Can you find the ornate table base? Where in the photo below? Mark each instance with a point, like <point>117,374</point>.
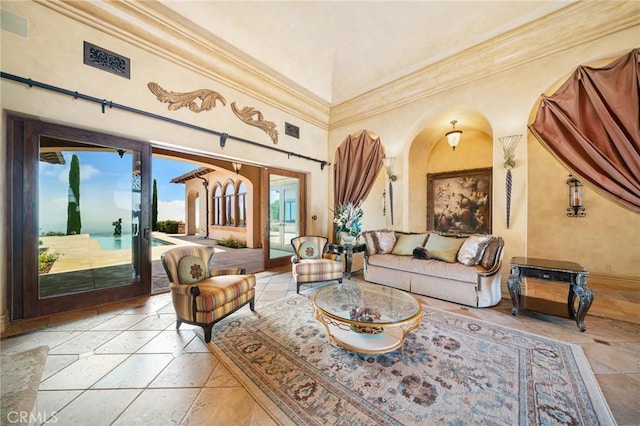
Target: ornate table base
<point>551,270</point>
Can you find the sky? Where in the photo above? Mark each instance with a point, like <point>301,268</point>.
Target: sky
<point>105,191</point>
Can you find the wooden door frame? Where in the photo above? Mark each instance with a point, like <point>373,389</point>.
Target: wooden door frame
<point>21,219</point>
<point>302,212</point>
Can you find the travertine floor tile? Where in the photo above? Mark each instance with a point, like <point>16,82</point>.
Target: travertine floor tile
<point>137,371</point>
<point>623,397</point>
<point>121,322</point>
<point>155,322</point>
<point>51,402</point>
<point>187,370</point>
<point>228,406</point>
<point>56,363</point>
<point>83,373</point>
<point>96,408</point>
<point>158,407</point>
<point>127,342</point>
<point>222,378</point>
<point>169,341</point>
<point>88,341</point>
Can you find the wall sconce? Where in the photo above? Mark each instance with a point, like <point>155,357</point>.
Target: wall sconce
<point>509,144</point>
<point>388,164</point>
<point>236,167</point>
<point>575,208</point>
<point>453,137</point>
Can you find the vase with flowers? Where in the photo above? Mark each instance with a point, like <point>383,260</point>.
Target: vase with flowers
<point>347,218</point>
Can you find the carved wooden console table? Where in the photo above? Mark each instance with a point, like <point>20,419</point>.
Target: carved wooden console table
<point>552,270</point>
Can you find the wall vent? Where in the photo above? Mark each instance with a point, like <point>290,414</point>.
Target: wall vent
<point>291,130</point>
<point>13,23</point>
<point>106,60</point>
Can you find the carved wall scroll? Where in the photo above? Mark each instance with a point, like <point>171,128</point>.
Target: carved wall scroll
<point>246,115</point>
<point>180,100</point>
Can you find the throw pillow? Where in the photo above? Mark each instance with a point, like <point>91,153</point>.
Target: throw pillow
<point>443,248</point>
<point>308,250</point>
<point>371,242</point>
<point>191,269</point>
<point>386,241</point>
<point>489,256</point>
<point>407,242</point>
<point>420,253</point>
<point>473,248</point>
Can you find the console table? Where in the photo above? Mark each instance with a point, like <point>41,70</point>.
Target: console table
<point>552,270</point>
<point>347,250</point>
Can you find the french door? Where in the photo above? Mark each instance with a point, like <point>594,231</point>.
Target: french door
<point>283,214</point>
<point>79,218</point>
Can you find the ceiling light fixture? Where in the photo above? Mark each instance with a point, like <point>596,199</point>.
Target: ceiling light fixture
<point>453,137</point>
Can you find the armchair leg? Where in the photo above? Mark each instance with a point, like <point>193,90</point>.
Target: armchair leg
<point>178,323</point>
<point>252,305</point>
<point>207,332</point>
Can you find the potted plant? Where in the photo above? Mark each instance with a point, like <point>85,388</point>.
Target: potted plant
<point>347,218</point>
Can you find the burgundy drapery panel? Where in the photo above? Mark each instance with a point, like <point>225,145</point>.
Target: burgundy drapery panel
<point>358,161</point>
<point>592,124</point>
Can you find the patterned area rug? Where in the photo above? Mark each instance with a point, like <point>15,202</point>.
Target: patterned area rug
<point>452,370</point>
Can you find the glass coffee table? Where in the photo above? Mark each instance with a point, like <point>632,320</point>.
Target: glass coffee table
<point>366,318</point>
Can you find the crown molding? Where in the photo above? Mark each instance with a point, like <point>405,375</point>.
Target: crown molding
<point>571,26</point>
<point>150,27</point>
<point>146,26</point>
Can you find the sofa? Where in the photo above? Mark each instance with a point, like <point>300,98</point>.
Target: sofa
<point>463,269</point>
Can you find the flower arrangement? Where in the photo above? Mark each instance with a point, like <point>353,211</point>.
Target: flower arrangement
<point>347,218</point>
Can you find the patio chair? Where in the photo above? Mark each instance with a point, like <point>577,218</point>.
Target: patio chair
<point>203,296</point>
<point>312,263</point>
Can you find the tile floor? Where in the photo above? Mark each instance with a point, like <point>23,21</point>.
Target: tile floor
<point>126,364</point>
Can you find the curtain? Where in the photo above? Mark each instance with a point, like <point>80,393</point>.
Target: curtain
<point>358,161</point>
<point>592,124</point>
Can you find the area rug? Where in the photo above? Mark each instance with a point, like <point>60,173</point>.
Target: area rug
<point>21,375</point>
<point>452,370</point>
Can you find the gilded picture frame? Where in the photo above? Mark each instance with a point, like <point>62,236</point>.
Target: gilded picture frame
<point>459,202</point>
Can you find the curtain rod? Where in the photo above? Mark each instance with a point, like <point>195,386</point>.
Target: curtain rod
<point>106,103</point>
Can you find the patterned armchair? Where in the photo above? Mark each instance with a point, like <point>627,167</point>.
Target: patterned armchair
<point>311,262</point>
<point>203,296</point>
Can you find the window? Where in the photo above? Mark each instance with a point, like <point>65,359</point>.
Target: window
<point>242,204</point>
<point>290,211</point>
<point>229,205</point>
<point>217,205</point>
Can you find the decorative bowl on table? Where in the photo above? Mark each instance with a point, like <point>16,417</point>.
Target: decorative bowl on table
<point>365,314</point>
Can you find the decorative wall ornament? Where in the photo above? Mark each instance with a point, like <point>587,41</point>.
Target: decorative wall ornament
<point>246,114</point>
<point>509,144</point>
<point>181,100</point>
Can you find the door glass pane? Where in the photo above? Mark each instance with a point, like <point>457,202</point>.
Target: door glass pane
<point>284,202</point>
<point>89,217</point>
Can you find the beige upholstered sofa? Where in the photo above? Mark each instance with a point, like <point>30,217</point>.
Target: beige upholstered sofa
<point>469,274</point>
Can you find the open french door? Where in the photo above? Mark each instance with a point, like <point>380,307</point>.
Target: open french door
<point>79,218</point>
<point>283,214</point>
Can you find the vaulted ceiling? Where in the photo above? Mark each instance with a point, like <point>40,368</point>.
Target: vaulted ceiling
<point>338,50</point>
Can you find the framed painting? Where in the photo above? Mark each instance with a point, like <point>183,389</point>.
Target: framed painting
<point>459,202</point>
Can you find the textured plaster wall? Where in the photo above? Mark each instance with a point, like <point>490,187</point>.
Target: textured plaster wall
<point>501,105</point>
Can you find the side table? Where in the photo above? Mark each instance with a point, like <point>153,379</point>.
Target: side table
<point>347,250</point>
<point>553,270</point>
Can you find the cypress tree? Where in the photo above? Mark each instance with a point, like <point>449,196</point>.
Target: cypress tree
<point>154,207</point>
<point>74,223</point>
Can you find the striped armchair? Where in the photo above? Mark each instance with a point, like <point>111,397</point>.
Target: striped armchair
<point>311,262</point>
<point>202,296</point>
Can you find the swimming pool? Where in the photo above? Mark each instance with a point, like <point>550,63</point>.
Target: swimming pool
<point>109,242</point>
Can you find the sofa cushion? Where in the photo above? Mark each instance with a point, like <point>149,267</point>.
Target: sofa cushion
<point>431,267</point>
<point>371,242</point>
<point>443,248</point>
<point>191,269</point>
<point>473,248</point>
<point>386,241</point>
<point>489,256</point>
<point>407,242</point>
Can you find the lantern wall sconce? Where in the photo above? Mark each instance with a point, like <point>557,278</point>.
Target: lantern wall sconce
<point>453,136</point>
<point>576,203</point>
<point>509,144</point>
<point>236,167</point>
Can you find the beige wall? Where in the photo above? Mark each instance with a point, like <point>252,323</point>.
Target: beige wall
<point>501,105</point>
